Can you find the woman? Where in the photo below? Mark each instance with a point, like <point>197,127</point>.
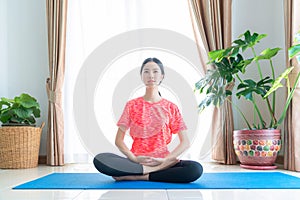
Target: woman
<point>151,121</point>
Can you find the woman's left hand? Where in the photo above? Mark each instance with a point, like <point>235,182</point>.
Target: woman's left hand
<point>153,162</point>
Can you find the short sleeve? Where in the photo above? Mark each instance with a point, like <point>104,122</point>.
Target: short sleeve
<point>176,121</point>
<point>124,121</point>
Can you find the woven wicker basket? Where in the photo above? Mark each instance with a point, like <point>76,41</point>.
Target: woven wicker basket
<point>19,146</point>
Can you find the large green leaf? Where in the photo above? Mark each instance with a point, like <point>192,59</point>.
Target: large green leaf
<point>36,112</point>
<point>9,101</point>
<point>216,55</point>
<point>246,40</point>
<point>4,104</point>
<point>205,102</point>
<point>294,50</point>
<point>216,98</point>
<point>248,87</point>
<point>26,101</point>
<point>239,42</point>
<point>23,113</point>
<point>246,93</point>
<point>229,66</point>
<point>277,83</point>
<point>207,79</point>
<point>213,85</point>
<point>5,116</point>
<point>243,64</point>
<point>267,54</point>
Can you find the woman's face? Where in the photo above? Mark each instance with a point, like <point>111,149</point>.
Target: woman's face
<point>151,74</point>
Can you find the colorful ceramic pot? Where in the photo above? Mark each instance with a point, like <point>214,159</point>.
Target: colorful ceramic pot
<point>257,149</point>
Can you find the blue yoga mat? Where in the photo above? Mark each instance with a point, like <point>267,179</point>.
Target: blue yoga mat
<point>232,180</point>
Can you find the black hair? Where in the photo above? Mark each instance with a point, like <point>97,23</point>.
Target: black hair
<point>158,62</point>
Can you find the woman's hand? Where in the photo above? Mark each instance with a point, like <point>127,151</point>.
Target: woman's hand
<point>142,159</point>
<point>157,164</point>
<point>146,160</point>
<point>149,161</point>
<point>152,162</point>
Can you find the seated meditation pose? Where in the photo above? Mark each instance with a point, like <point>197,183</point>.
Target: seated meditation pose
<point>151,121</point>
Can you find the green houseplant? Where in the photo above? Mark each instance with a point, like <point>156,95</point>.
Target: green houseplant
<point>19,138</point>
<point>229,77</point>
<point>22,110</point>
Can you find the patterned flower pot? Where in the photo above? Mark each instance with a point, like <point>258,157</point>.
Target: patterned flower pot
<point>257,149</point>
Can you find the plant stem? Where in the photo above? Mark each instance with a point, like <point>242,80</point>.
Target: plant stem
<point>241,113</point>
<point>254,115</point>
<point>274,93</point>
<point>257,63</point>
<point>288,86</point>
<point>289,98</point>
<point>238,77</point>
<point>259,114</point>
<point>273,118</point>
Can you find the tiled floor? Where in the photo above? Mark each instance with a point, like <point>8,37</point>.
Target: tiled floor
<point>11,178</point>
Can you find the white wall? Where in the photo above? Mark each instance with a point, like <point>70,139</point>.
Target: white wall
<point>3,48</point>
<point>23,39</point>
<point>23,44</point>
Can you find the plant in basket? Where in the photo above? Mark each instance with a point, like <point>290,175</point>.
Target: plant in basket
<point>258,145</point>
<point>22,110</point>
<point>19,138</point>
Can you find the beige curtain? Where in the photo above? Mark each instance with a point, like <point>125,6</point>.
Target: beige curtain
<point>56,19</point>
<point>292,126</point>
<point>212,24</point>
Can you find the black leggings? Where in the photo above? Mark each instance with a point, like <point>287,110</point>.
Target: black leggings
<point>184,171</point>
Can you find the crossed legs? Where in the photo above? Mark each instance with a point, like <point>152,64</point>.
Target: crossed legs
<point>121,168</point>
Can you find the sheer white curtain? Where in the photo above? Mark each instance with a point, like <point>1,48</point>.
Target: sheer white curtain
<point>92,22</point>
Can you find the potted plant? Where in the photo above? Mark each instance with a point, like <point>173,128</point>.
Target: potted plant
<point>258,145</point>
<point>19,138</point>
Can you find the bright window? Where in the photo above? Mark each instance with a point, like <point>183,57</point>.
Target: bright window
<point>90,24</point>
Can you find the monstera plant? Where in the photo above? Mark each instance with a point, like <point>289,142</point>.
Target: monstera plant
<point>228,76</point>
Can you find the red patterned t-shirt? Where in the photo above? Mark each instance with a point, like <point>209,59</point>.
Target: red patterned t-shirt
<point>151,125</point>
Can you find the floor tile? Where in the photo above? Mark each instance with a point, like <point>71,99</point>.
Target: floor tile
<point>123,194</point>
<point>186,194</point>
<point>9,194</point>
<point>240,194</point>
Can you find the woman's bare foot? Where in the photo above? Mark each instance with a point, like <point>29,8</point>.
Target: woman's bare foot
<point>132,178</point>
<point>166,164</point>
